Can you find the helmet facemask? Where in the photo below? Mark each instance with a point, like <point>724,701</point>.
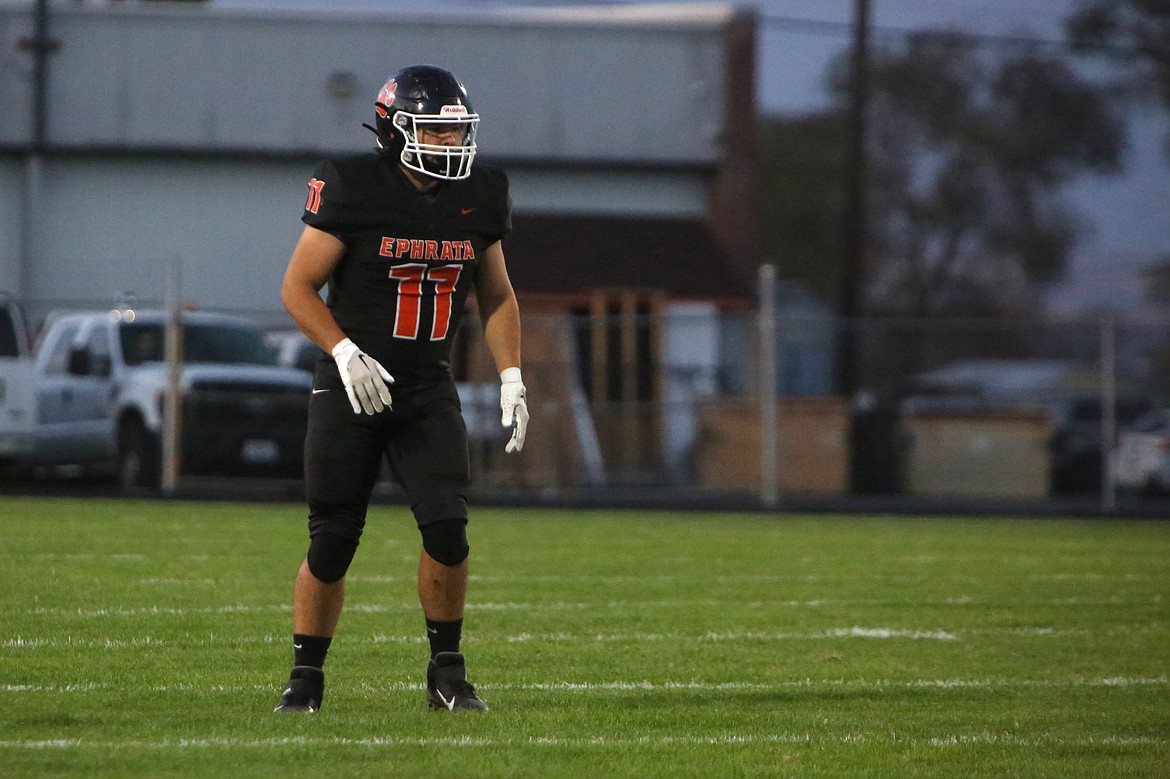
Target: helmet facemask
<point>441,161</point>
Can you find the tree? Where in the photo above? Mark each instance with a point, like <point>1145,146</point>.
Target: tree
<point>802,165</point>
<point>967,154</point>
<point>1133,35</point>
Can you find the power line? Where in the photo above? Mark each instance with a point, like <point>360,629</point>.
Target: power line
<point>844,30</point>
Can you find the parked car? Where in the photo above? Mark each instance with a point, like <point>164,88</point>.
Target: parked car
<point>13,332</point>
<point>1077,446</point>
<point>294,349</point>
<point>1141,460</point>
<point>93,398</point>
<point>17,389</point>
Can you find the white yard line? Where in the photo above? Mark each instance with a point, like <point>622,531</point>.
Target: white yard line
<point>724,739</point>
<point>44,642</point>
<point>593,580</point>
<point>662,686</point>
<point>601,605</point>
<point>880,633</point>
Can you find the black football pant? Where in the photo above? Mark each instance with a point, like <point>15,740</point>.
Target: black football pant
<point>423,438</point>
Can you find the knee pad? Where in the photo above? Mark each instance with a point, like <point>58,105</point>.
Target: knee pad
<point>329,556</point>
<point>446,540</point>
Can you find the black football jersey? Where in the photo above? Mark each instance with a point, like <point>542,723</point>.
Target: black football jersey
<point>410,257</point>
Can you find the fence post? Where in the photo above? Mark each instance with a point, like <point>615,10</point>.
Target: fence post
<point>172,410</point>
<point>1108,411</point>
<point>769,435</point>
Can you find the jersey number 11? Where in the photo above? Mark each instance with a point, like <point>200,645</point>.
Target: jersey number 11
<point>414,281</point>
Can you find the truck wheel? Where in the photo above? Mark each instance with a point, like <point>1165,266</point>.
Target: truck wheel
<point>138,458</point>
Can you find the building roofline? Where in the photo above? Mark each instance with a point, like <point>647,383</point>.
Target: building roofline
<point>655,17</point>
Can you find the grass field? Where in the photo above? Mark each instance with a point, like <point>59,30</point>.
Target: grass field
<point>151,639</point>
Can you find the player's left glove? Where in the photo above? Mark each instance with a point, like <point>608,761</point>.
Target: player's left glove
<point>514,408</point>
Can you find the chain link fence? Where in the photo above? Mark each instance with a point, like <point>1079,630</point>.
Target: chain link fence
<point>684,403</point>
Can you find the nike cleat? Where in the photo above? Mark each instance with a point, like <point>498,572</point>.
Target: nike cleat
<point>305,689</point>
<point>447,685</point>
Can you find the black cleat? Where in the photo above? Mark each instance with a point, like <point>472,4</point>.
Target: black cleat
<point>447,685</point>
<point>305,689</point>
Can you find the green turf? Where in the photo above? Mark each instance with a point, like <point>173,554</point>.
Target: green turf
<point>150,639</point>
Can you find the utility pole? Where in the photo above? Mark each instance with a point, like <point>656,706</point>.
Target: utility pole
<point>856,207</point>
<point>41,47</point>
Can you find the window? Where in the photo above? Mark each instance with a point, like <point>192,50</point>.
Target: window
<point>58,360</point>
<point>221,343</point>
<point>98,348</point>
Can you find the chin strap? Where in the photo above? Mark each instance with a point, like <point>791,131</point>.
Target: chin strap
<point>380,149</point>
<point>374,130</point>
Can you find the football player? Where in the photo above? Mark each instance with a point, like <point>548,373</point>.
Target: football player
<point>401,235</point>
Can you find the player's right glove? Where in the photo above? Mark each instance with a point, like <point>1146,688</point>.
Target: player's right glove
<point>514,407</point>
<point>366,381</point>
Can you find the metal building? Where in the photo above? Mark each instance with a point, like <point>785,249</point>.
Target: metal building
<point>134,134</point>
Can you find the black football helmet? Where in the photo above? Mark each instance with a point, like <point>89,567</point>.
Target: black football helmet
<point>418,96</point>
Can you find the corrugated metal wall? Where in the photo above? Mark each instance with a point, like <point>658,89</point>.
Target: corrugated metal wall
<point>208,79</point>
<point>188,133</point>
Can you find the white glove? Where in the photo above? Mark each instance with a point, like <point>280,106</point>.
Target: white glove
<point>515,408</point>
<point>366,382</point>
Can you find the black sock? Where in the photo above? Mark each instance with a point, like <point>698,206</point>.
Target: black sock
<point>310,650</point>
<point>444,636</point>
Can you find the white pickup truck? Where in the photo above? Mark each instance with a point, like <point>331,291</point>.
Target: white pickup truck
<point>17,387</point>
<point>92,395</point>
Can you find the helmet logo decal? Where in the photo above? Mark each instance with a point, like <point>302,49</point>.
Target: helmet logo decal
<point>386,96</point>
<point>453,110</point>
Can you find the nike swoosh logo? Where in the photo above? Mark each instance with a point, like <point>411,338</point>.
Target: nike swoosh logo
<point>318,392</point>
<point>432,630</point>
<point>297,646</point>
<point>450,704</point>
<point>466,211</point>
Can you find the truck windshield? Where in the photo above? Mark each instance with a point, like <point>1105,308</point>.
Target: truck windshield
<point>144,342</point>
